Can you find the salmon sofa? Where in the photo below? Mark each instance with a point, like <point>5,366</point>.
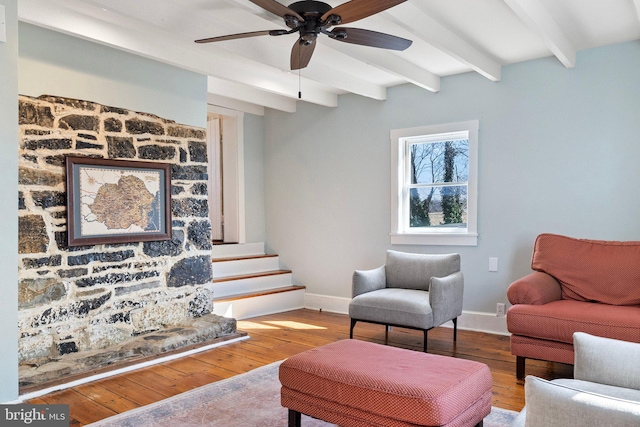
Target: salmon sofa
<point>578,285</point>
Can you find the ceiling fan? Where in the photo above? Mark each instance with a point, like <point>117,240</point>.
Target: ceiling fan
<point>310,18</point>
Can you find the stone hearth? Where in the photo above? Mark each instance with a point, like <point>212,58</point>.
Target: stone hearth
<point>187,335</point>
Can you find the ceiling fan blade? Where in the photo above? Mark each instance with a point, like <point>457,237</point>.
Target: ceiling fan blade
<point>235,36</point>
<point>276,8</point>
<point>369,38</point>
<point>357,9</point>
<point>301,54</point>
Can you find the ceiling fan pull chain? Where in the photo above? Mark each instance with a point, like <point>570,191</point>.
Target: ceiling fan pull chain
<point>299,80</point>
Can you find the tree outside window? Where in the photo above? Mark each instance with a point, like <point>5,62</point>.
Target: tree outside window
<point>438,183</point>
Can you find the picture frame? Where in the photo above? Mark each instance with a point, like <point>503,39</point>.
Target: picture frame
<point>117,201</point>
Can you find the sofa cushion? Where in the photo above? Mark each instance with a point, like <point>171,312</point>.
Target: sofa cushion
<point>591,270</point>
<point>565,404</point>
<point>414,271</point>
<point>558,320</point>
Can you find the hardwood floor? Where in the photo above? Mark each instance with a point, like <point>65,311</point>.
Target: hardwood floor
<point>278,336</point>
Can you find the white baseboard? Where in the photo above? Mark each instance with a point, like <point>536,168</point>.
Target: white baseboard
<point>327,303</point>
<point>469,320</point>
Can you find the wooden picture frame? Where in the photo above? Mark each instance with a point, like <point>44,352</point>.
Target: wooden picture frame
<point>117,201</point>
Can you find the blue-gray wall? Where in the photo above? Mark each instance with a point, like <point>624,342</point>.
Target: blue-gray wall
<point>9,205</point>
<point>559,151</point>
<point>53,63</point>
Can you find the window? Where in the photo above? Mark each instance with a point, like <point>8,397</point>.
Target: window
<point>434,185</point>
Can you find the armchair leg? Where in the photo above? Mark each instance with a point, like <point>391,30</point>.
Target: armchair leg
<point>386,334</point>
<point>455,329</point>
<point>520,367</point>
<point>353,323</point>
<point>425,340</point>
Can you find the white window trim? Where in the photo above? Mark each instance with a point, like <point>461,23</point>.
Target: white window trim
<point>442,236</point>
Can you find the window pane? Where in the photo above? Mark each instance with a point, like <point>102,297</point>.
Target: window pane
<point>438,206</point>
<point>439,162</point>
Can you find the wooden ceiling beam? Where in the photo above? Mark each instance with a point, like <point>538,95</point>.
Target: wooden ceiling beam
<point>417,21</point>
<point>536,17</point>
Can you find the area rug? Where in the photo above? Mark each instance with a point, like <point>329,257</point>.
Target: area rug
<point>248,400</point>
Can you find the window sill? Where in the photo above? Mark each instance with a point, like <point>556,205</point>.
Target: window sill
<point>461,239</point>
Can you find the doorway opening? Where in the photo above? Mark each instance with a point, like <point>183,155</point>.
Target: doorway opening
<point>226,175</point>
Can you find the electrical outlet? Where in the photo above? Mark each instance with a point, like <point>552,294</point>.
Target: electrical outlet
<point>500,309</point>
<point>493,264</point>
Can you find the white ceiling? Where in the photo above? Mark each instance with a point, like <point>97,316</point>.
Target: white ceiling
<point>449,37</point>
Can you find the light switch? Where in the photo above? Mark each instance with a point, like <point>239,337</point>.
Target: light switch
<point>3,26</point>
<point>493,264</point>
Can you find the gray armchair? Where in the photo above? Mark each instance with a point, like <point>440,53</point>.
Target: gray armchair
<point>413,291</point>
<point>605,390</point>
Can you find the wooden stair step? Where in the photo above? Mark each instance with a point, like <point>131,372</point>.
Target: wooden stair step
<point>251,276</point>
<point>259,293</point>
<point>242,258</point>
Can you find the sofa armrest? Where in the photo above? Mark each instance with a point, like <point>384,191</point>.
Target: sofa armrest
<point>606,361</point>
<point>553,404</point>
<point>445,297</point>
<point>536,288</point>
<point>368,280</point>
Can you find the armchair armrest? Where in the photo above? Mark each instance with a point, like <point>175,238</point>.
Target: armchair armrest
<point>445,297</point>
<point>536,288</point>
<point>368,280</point>
<point>606,361</point>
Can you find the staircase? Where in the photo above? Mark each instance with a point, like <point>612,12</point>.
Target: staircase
<point>247,282</point>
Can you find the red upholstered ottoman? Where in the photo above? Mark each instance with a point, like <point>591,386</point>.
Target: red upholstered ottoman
<point>361,384</point>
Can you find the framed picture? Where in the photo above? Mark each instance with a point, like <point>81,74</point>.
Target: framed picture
<point>117,201</point>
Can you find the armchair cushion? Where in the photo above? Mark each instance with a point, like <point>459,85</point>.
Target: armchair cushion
<point>414,271</point>
<point>601,271</point>
<point>559,404</point>
<point>394,306</point>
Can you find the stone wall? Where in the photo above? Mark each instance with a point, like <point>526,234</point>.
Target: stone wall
<point>91,297</point>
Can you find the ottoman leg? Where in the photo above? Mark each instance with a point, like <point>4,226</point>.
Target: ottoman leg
<point>295,418</point>
<point>480,424</point>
